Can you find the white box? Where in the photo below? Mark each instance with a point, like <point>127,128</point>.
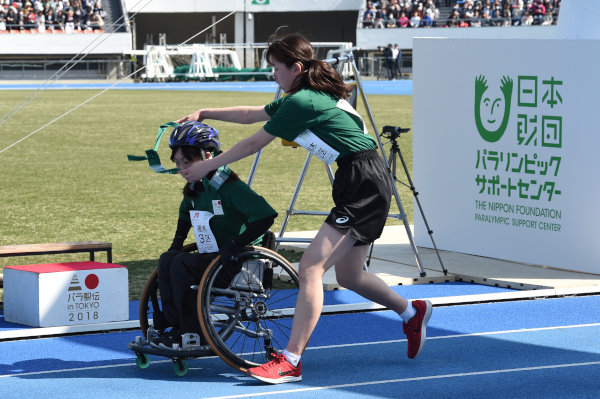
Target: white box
<point>66,294</point>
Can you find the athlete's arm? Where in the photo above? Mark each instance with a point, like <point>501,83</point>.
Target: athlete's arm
<point>241,150</point>
<point>244,115</point>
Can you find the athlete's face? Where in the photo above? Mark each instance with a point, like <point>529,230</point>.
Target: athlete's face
<point>285,76</point>
<point>181,162</point>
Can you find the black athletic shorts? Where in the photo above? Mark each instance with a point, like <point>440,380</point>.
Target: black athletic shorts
<point>362,193</point>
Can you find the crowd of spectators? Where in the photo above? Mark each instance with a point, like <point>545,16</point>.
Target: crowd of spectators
<point>465,13</point>
<point>48,16</point>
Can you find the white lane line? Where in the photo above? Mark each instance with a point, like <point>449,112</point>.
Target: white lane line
<point>431,377</point>
<point>458,336</point>
<point>323,347</point>
<point>80,369</point>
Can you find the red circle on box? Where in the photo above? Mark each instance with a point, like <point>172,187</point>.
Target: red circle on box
<point>91,281</point>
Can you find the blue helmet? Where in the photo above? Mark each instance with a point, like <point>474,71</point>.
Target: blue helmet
<point>195,134</point>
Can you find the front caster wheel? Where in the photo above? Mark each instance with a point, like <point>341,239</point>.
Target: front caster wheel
<point>180,367</point>
<point>142,360</point>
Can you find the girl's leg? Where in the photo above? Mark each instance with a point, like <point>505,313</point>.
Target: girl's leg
<point>327,249</point>
<point>350,275</point>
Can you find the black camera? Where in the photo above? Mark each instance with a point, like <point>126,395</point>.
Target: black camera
<point>393,131</point>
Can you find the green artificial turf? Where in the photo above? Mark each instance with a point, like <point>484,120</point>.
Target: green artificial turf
<point>72,181</point>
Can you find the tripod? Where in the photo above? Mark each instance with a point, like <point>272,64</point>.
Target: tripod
<point>393,133</point>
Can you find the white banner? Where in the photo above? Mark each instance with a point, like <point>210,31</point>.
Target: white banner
<point>506,147</point>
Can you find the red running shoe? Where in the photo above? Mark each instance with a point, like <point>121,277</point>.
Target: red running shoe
<point>416,328</point>
<point>277,371</point>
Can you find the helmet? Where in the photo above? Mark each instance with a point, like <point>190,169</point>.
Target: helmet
<point>196,134</point>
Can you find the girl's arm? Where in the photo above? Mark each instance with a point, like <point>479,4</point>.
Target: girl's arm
<point>244,115</point>
<point>239,151</point>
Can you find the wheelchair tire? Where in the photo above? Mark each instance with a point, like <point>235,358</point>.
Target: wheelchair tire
<point>146,303</point>
<point>245,324</point>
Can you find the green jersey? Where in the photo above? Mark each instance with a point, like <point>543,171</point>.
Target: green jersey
<point>332,120</point>
<point>234,205</point>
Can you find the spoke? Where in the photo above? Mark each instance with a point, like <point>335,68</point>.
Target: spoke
<point>273,337</point>
<point>282,299</point>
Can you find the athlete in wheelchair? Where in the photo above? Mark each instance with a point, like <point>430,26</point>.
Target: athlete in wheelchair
<point>233,295</point>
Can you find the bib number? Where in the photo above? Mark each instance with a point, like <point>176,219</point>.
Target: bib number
<point>316,146</point>
<point>204,236</point>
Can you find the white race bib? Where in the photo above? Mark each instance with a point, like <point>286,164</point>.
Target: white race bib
<point>316,146</point>
<point>345,106</point>
<point>204,236</point>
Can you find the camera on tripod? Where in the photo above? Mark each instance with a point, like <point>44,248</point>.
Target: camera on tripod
<point>393,132</point>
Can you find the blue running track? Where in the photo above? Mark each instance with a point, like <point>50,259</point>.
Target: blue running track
<point>395,87</point>
<point>526,349</point>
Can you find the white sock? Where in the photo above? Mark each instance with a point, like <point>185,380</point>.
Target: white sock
<point>293,359</point>
<point>409,313</point>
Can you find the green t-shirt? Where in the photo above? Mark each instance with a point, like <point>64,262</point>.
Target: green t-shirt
<point>240,207</point>
<point>318,112</point>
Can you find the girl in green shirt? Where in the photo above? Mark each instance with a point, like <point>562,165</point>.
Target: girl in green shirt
<point>316,115</point>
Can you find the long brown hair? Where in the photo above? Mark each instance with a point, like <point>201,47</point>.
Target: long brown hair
<point>195,154</point>
<point>316,74</point>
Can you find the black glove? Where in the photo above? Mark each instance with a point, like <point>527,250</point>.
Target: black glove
<point>230,258</point>
<point>177,244</point>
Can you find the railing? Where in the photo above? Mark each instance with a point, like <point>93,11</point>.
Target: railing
<point>449,22</point>
<point>61,28</point>
<point>44,69</point>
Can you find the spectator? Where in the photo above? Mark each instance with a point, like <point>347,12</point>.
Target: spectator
<point>506,18</point>
<point>50,20</point>
<point>77,19</point>
<point>70,21</point>
<point>476,20</point>
<point>398,61</point>
<point>427,20</point>
<point>454,19</point>
<point>98,10</point>
<point>486,20</point>
<point>388,53</point>
<point>30,19</point>
<point>60,20</point>
<point>367,21</point>
<point>390,22</point>
<point>2,20</point>
<point>415,20</point>
<point>403,21</point>
<point>96,21</point>
<point>527,18</point>
<point>40,22</point>
<point>369,12</point>
<point>396,54</point>
<point>11,19</point>
<point>497,19</point>
<point>548,18</point>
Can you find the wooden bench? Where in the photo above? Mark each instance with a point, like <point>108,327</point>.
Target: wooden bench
<point>60,248</point>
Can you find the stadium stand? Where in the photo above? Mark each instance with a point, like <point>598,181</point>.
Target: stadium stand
<point>60,16</point>
<point>384,14</point>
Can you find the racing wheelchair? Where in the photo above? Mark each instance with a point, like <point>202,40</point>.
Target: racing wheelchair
<point>245,317</point>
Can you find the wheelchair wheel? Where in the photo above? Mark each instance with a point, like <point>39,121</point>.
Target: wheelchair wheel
<point>149,302</point>
<point>248,317</point>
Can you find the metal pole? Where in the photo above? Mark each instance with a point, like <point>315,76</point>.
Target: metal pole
<point>290,209</point>
<point>258,154</point>
<point>402,215</point>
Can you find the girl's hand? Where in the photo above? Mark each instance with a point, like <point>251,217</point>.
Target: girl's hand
<point>192,117</point>
<point>195,172</point>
